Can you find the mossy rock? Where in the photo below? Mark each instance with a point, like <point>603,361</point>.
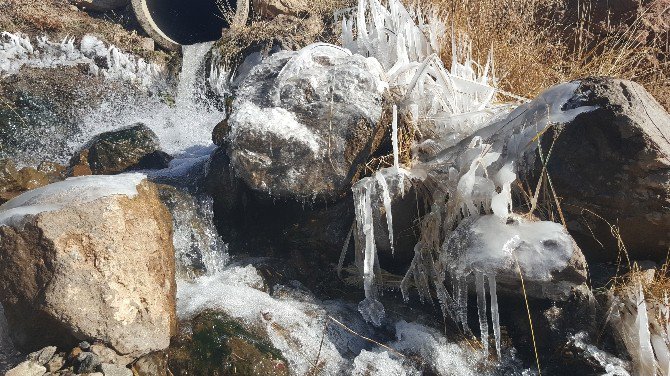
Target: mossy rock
<point>214,344</point>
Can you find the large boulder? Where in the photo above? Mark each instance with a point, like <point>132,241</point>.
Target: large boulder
<point>302,123</point>
<point>607,146</point>
<point>610,166</point>
<point>89,258</point>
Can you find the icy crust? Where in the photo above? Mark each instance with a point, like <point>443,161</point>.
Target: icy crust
<point>493,245</point>
<point>276,103</point>
<point>283,124</point>
<point>70,192</point>
<point>18,50</point>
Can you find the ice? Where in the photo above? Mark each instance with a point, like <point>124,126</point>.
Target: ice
<point>482,311</point>
<point>612,365</point>
<point>641,324</point>
<point>446,358</point>
<point>490,244</point>
<point>386,196</point>
<point>394,137</point>
<point>495,314</point>
<point>248,117</point>
<point>17,50</point>
<point>70,192</point>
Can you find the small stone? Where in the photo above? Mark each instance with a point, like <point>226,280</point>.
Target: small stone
<point>87,362</point>
<point>56,363</point>
<point>115,370</point>
<point>74,354</point>
<point>85,346</point>
<point>27,368</point>
<point>43,356</point>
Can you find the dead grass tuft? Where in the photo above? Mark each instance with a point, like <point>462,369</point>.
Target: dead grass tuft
<point>539,43</point>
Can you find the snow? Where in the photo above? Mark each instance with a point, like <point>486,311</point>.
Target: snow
<point>70,192</point>
<point>277,121</point>
<point>18,50</point>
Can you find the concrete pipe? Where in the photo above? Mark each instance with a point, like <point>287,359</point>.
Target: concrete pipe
<point>172,23</point>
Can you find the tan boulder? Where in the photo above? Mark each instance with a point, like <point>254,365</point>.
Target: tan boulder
<point>89,258</point>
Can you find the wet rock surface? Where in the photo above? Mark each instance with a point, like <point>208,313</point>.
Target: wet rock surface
<point>135,147</point>
<point>611,167</point>
<point>213,343</point>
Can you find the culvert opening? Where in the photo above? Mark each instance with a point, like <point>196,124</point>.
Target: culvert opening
<point>178,22</point>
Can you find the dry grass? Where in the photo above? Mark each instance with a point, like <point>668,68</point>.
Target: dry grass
<point>538,43</point>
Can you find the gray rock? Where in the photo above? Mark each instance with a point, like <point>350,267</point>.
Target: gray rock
<point>115,370</point>
<point>84,345</point>
<point>27,368</point>
<point>56,363</point>
<point>87,362</point>
<point>43,356</point>
<point>551,262</point>
<point>303,123</point>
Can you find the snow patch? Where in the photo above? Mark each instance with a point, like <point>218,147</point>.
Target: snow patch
<point>70,192</point>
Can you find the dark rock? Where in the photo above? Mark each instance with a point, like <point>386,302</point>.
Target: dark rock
<point>120,150</point>
<point>86,362</point>
<point>611,167</point>
<point>157,160</point>
<point>212,343</point>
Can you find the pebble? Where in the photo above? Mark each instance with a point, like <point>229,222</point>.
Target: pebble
<point>87,362</point>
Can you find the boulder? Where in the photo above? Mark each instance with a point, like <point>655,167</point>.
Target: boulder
<point>303,123</point>
<point>549,259</point>
<point>27,368</point>
<point>89,258</point>
<point>130,148</point>
<point>610,166</point>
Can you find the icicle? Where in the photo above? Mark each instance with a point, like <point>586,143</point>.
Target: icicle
<point>463,304</point>
<point>495,315</point>
<point>394,137</point>
<point>647,360</point>
<point>386,197</point>
<point>481,310</point>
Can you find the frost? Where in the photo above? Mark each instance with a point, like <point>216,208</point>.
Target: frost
<point>17,50</point>
<point>70,192</point>
<point>275,120</point>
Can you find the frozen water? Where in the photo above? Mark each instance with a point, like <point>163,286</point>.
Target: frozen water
<point>369,363</point>
<point>72,191</point>
<point>18,50</point>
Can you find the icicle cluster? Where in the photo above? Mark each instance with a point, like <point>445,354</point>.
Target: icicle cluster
<point>17,50</point>
<point>643,325</point>
<point>408,44</point>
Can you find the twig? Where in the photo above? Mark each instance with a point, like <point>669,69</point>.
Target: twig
<point>366,338</point>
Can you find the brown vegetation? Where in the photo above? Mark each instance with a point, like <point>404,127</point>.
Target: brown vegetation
<point>538,43</point>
